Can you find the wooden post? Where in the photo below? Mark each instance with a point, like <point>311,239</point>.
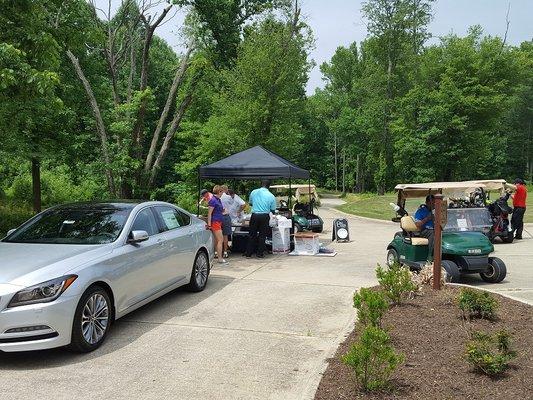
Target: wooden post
<point>437,248</point>
<point>36,183</point>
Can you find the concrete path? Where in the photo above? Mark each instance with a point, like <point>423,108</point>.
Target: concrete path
<point>262,329</point>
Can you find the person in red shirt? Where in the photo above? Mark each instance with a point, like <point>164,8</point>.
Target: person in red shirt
<point>519,205</point>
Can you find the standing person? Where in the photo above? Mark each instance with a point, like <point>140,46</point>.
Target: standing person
<point>205,196</point>
<point>263,203</point>
<point>233,203</point>
<point>424,222</point>
<point>214,221</point>
<point>226,220</point>
<point>519,205</point>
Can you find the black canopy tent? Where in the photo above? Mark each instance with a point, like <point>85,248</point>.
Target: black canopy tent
<point>254,163</point>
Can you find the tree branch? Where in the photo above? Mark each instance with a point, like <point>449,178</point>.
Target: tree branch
<point>100,127</point>
<point>178,116</point>
<point>171,98</point>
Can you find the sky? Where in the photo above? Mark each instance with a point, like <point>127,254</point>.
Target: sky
<point>340,22</point>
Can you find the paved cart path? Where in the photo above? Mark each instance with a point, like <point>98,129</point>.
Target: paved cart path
<point>261,330</point>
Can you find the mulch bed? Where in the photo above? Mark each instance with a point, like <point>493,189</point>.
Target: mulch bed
<point>431,334</point>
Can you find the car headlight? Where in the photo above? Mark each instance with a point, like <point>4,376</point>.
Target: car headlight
<point>43,292</point>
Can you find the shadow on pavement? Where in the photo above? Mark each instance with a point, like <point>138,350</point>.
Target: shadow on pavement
<point>124,331</point>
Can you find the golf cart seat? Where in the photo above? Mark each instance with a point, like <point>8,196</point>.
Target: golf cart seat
<point>410,229</point>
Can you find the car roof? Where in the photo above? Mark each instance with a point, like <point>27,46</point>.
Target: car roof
<point>112,204</point>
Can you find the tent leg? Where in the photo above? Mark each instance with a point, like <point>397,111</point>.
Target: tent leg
<point>290,194</point>
<point>198,194</point>
<point>309,196</point>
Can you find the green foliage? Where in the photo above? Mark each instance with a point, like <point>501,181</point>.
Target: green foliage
<point>370,305</point>
<point>372,358</point>
<point>12,216</point>
<point>396,282</point>
<point>490,354</point>
<point>477,304</point>
<point>180,194</point>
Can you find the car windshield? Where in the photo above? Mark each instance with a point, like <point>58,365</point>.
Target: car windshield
<point>468,219</point>
<point>73,226</point>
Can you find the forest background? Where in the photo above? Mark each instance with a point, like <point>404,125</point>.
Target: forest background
<point>95,105</point>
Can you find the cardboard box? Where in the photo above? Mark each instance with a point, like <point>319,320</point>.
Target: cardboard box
<point>306,243</point>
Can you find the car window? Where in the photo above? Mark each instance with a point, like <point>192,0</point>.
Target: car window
<point>145,221</point>
<point>172,218</point>
<point>73,226</point>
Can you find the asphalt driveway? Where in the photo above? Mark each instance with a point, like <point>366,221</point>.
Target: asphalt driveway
<point>262,329</point>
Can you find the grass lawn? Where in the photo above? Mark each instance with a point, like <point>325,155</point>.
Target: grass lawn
<point>373,206</point>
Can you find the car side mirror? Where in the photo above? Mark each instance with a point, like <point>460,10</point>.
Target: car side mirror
<point>137,236</point>
<point>11,231</point>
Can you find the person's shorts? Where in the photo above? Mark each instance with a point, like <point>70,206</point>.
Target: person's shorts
<point>216,225</point>
<point>226,225</point>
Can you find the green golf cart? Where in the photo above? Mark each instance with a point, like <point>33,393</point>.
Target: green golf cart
<point>466,248</point>
<point>302,212</point>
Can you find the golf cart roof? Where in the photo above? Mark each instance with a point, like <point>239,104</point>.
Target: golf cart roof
<point>448,189</point>
<point>495,185</point>
<point>313,188</point>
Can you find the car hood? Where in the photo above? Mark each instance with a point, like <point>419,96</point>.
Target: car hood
<point>24,264</point>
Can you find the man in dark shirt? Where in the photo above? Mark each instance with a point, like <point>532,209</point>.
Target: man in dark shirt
<point>519,205</point>
<point>424,222</point>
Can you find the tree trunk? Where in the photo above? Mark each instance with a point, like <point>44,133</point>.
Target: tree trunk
<point>336,167</point>
<point>171,98</point>
<point>170,134</point>
<point>100,127</point>
<point>36,184</point>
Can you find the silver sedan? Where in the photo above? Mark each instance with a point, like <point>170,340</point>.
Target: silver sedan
<point>69,272</point>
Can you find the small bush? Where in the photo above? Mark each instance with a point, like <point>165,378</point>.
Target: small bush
<point>370,305</point>
<point>396,282</point>
<point>372,358</point>
<point>477,304</point>
<point>490,354</point>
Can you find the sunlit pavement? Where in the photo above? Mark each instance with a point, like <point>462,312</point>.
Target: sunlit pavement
<point>262,329</point>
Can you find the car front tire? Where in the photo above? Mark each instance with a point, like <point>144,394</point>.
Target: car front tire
<point>200,273</point>
<point>92,320</point>
<point>496,271</point>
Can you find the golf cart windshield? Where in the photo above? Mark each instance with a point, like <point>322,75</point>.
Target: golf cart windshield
<point>468,220</point>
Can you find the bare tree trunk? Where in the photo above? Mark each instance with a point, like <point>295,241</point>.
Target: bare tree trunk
<point>100,127</point>
<point>343,170</point>
<point>171,98</point>
<point>133,61</point>
<point>178,116</point>
<point>36,183</point>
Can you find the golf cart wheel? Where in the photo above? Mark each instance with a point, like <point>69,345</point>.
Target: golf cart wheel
<point>392,257</point>
<point>298,227</point>
<point>508,239</point>
<point>496,271</point>
<point>453,274</point>
<point>318,230</point>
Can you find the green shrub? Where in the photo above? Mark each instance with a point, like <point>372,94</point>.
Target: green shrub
<point>396,282</point>
<point>490,354</point>
<point>12,216</point>
<point>477,304</point>
<point>372,358</point>
<point>370,305</point>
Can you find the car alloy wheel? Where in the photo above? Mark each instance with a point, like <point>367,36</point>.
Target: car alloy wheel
<point>201,269</point>
<point>95,319</point>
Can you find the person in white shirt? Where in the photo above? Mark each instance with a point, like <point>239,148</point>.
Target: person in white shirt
<point>233,204</point>
<point>233,207</point>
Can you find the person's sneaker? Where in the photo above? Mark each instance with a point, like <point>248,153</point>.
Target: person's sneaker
<point>518,237</point>
<point>260,256</point>
<point>223,262</point>
<point>225,255</point>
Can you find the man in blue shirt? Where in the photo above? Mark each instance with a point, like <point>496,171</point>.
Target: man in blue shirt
<point>424,222</point>
<point>263,203</point>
